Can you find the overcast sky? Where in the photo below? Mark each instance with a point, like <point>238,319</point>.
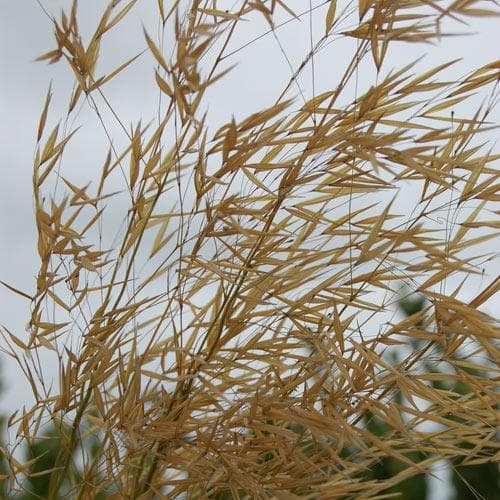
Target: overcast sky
<point>262,71</point>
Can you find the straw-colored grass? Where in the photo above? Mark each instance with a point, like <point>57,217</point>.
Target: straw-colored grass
<point>233,338</point>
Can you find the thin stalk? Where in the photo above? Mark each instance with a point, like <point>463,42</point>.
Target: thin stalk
<point>65,453</point>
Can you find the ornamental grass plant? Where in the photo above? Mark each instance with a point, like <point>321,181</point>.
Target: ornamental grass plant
<point>219,300</point>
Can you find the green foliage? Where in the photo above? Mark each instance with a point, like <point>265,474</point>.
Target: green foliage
<point>476,481</point>
<point>412,304</point>
<point>43,453</point>
<point>468,481</point>
<point>413,488</point>
<point>46,450</point>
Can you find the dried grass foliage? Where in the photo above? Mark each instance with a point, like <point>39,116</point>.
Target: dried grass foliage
<point>230,342</point>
